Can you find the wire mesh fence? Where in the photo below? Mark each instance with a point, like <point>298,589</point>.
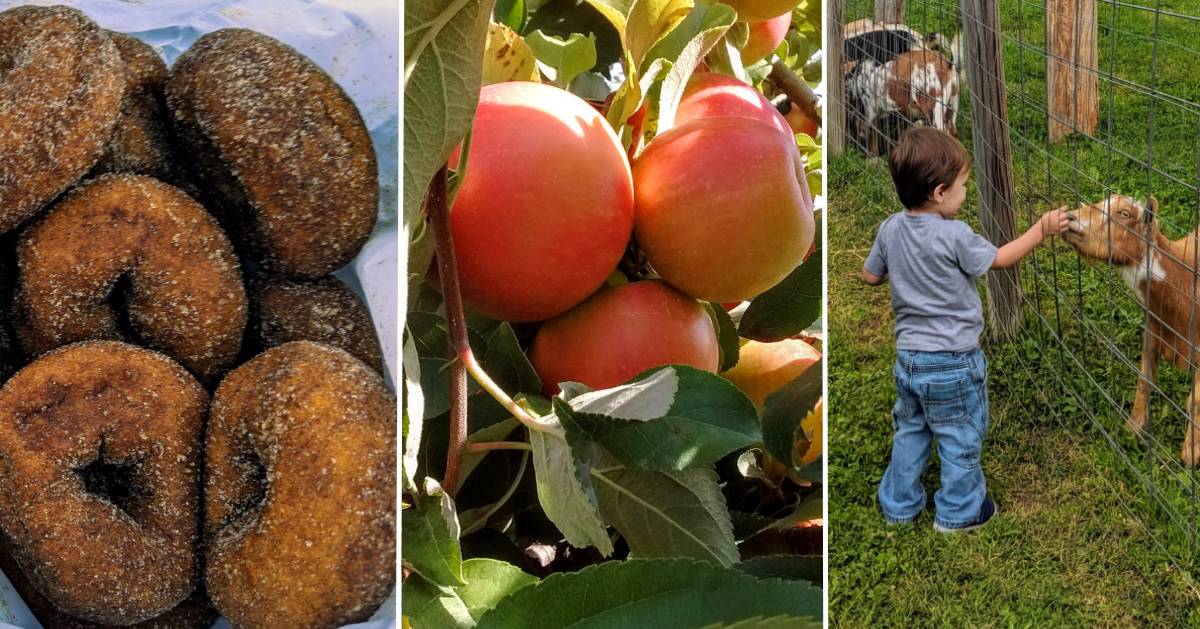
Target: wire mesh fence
<point>1100,109</point>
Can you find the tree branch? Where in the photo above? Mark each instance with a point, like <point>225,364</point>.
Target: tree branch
<point>796,89</point>
<point>439,219</point>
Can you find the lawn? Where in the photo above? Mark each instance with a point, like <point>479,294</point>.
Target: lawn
<point>1096,528</point>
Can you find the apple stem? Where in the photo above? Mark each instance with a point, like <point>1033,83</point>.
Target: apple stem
<point>484,446</point>
<point>439,219</point>
<point>796,88</point>
<point>467,357</point>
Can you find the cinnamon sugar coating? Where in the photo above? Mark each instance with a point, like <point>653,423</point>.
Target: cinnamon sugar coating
<point>285,159</point>
<point>61,83</point>
<point>300,490</point>
<point>131,258</point>
<point>100,446</point>
<point>195,612</point>
<point>323,310</point>
<point>140,142</point>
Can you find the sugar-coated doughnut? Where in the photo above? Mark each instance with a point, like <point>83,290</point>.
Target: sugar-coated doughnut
<point>283,154</point>
<point>300,490</point>
<point>100,456</point>
<point>61,83</point>
<point>323,310</point>
<point>127,257</point>
<point>140,141</point>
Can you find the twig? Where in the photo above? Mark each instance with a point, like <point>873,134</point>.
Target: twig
<point>484,446</point>
<point>493,389</point>
<point>796,89</point>
<point>439,219</point>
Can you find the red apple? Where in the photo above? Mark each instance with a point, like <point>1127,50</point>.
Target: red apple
<point>713,95</point>
<point>764,368</point>
<point>622,331</point>
<point>756,10</point>
<point>765,37</point>
<point>801,123</point>
<point>723,210</point>
<point>546,208</point>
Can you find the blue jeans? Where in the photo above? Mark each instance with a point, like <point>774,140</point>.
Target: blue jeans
<point>942,395</point>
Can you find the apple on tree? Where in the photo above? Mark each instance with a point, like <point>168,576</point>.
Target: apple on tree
<point>622,331</point>
<point>722,208</point>
<point>765,37</point>
<point>545,210</point>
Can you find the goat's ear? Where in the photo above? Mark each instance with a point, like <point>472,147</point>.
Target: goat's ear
<point>1151,209</point>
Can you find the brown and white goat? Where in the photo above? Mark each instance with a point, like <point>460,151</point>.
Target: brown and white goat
<point>918,85</point>
<point>1161,273</point>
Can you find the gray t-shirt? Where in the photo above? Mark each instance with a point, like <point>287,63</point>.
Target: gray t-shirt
<point>933,263</point>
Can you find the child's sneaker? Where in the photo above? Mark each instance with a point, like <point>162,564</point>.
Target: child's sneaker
<point>986,511</point>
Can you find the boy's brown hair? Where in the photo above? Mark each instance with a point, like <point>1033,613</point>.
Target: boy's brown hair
<point>923,159</point>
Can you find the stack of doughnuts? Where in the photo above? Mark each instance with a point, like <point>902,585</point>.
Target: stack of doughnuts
<point>192,416</point>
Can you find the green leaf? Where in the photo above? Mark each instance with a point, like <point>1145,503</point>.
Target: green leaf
<point>672,418</point>
<point>816,183</point>
<point>507,364</point>
<point>701,18</point>
<point>651,20</point>
<point>488,582</point>
<point>616,12</point>
<point>659,593</point>
<point>786,408</point>
<point>443,58</point>
<point>430,533</point>
<point>483,412</point>
<point>433,606</point>
<point>562,18</point>
<point>789,307</point>
<point>565,491</point>
<point>805,567</point>
<point>429,333</point>
<point>727,59</point>
<point>414,412</point>
<point>710,29</point>
<point>632,94</point>
<point>421,247</point>
<point>507,57</point>
<point>773,622</point>
<point>510,13</point>
<point>668,514</point>
<point>739,34</point>
<point>494,432</point>
<point>727,335</point>
<point>563,60</point>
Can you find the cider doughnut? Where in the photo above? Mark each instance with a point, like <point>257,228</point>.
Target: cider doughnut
<point>100,446</point>
<point>300,490</point>
<point>61,82</point>
<point>127,257</point>
<point>282,152</point>
<point>139,143</point>
<point>195,612</point>
<point>323,310</point>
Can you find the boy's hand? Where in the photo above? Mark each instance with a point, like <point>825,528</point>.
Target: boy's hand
<point>872,279</point>
<point>1055,221</point>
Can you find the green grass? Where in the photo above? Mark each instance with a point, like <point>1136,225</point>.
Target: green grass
<point>1088,534</point>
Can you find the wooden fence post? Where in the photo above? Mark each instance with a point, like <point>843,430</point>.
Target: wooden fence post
<point>889,11</point>
<point>993,156</point>
<point>835,110</point>
<point>1071,95</point>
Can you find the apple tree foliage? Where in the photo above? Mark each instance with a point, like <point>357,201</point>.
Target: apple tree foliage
<point>670,500</point>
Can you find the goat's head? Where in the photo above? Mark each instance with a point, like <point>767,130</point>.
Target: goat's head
<point>1115,230</point>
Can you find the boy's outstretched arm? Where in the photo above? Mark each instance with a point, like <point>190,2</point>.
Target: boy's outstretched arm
<point>1052,222</point>
<point>872,279</point>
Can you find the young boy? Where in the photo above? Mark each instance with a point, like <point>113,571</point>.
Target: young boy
<point>932,262</point>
